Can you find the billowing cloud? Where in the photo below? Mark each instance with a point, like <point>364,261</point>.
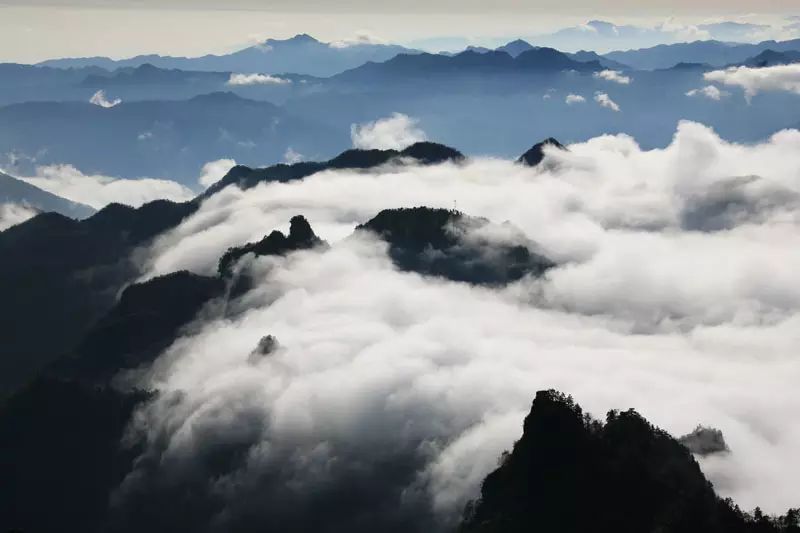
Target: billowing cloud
<point>676,293</point>
<point>98,191</point>
<point>99,99</point>
<point>574,99</point>
<point>12,214</point>
<point>213,171</point>
<point>755,80</point>
<point>604,100</point>
<point>709,91</point>
<point>256,79</point>
<point>396,131</point>
<point>613,75</point>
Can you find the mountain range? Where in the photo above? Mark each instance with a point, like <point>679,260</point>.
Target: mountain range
<point>301,54</point>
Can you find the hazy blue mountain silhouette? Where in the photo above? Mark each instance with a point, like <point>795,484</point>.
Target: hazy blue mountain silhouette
<point>301,54</point>
<point>161,138</point>
<point>714,53</point>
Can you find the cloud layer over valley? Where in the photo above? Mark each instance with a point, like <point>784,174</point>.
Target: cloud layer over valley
<point>675,292</point>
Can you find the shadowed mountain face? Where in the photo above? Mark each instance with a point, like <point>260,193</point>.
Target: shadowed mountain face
<point>144,321</point>
<point>301,54</point>
<point>449,244</point>
<point>422,152</point>
<point>63,274</point>
<point>570,473</point>
<point>15,191</point>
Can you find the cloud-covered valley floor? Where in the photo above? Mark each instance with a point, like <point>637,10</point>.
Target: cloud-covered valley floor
<point>675,292</point>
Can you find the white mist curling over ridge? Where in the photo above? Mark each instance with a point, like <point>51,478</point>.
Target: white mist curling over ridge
<point>98,191</point>
<point>12,214</point>
<point>756,80</point>
<point>99,99</point>
<point>213,171</point>
<point>677,294</point>
<point>256,79</point>
<point>395,132</point>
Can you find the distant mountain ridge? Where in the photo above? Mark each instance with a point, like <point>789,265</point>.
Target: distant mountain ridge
<point>301,54</point>
<point>535,60</point>
<point>714,53</point>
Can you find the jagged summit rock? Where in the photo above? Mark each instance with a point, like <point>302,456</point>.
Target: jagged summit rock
<point>572,474</point>
<point>300,237</point>
<point>535,155</point>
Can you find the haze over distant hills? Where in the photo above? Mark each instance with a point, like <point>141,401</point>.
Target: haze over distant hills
<point>301,54</point>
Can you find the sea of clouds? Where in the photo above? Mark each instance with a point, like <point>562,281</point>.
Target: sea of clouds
<point>676,293</point>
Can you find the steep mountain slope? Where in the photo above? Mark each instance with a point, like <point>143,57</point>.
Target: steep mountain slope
<point>15,191</point>
<point>64,274</point>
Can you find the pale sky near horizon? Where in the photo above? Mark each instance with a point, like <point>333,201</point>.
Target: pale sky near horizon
<point>34,30</point>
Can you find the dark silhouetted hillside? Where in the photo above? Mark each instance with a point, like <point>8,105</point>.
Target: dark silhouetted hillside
<point>570,473</point>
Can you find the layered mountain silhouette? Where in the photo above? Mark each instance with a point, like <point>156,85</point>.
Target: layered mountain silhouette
<point>714,53</point>
<point>64,274</point>
<point>470,62</point>
<point>160,138</point>
<point>571,473</point>
<point>301,54</point>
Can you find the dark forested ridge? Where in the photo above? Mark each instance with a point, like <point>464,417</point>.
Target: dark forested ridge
<point>571,473</point>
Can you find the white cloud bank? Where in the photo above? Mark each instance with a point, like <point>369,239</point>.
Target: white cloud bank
<point>709,91</point>
<point>397,131</point>
<point>98,191</point>
<point>677,294</point>
<point>755,80</point>
<point>99,99</point>
<point>613,75</point>
<point>574,99</point>
<point>12,214</point>
<point>604,100</point>
<point>256,79</point>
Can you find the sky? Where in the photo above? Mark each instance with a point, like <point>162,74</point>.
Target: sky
<point>34,30</point>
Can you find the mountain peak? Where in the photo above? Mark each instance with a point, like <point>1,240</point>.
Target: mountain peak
<point>535,155</point>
